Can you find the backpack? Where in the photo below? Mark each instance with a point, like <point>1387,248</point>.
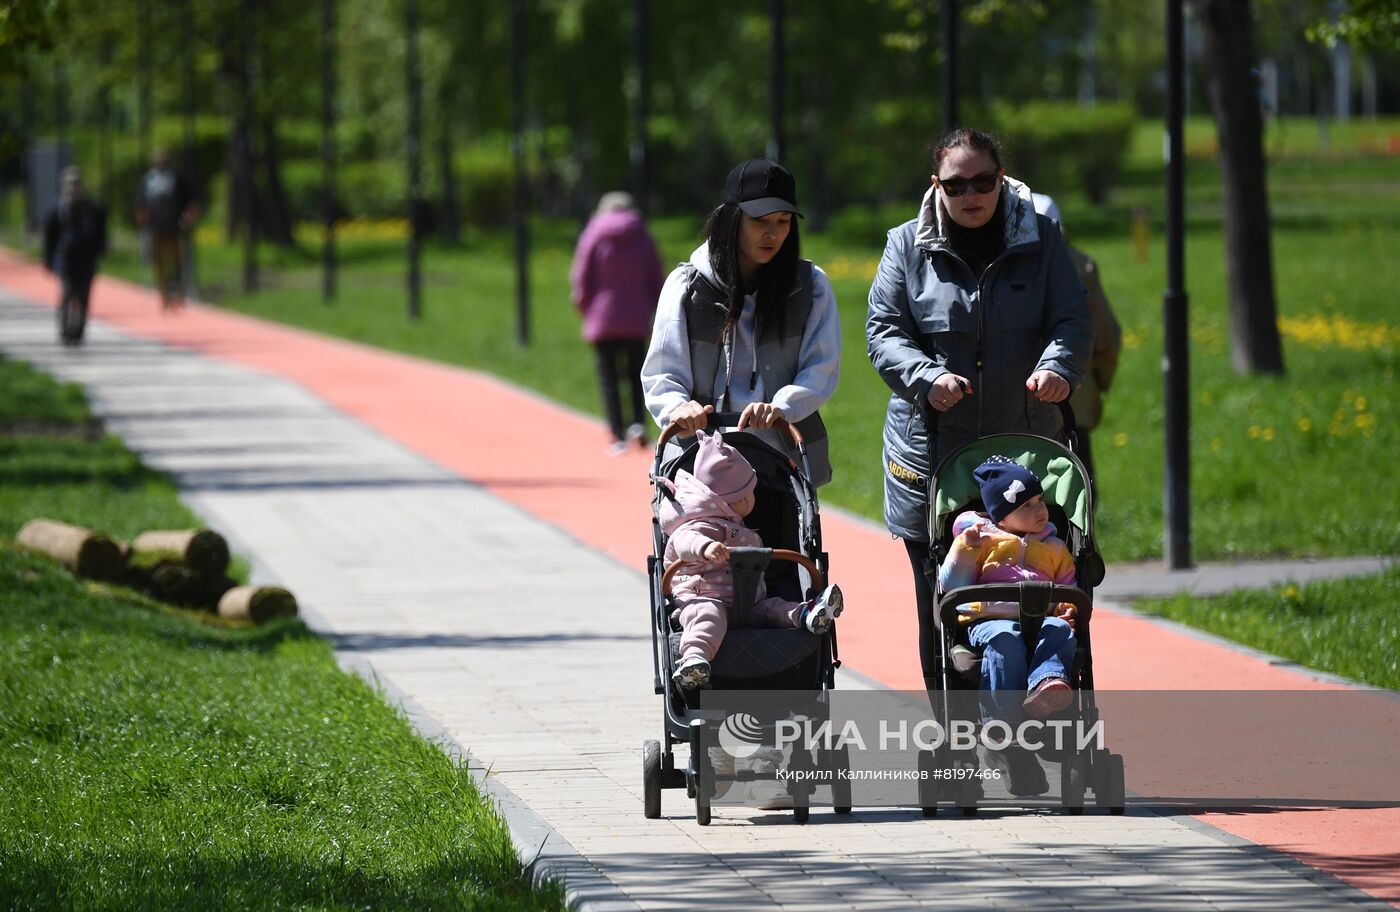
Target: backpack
<point>162,201</point>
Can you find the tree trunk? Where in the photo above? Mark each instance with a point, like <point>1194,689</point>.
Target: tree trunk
<point>451,219</point>
<point>240,170</point>
<point>1227,28</point>
<point>276,218</point>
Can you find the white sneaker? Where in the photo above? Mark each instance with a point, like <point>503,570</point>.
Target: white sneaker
<point>637,434</point>
<point>824,609</point>
<point>693,672</point>
<point>769,795</point>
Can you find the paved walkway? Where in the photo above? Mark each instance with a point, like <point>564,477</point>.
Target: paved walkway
<point>485,603</point>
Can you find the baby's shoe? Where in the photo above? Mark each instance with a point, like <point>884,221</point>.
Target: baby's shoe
<point>693,672</point>
<point>769,795</point>
<point>1025,777</point>
<point>822,610</point>
<point>1048,697</point>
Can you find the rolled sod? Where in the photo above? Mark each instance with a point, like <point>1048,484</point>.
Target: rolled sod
<point>86,553</point>
<point>203,550</point>
<point>257,603</point>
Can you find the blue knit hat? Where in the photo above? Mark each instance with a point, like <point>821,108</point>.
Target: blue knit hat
<point>1005,486</point>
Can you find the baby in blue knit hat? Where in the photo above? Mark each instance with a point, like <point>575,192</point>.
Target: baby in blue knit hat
<point>1014,541</point>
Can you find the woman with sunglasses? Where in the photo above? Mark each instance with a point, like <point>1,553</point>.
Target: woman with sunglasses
<point>747,325</point>
<point>977,318</point>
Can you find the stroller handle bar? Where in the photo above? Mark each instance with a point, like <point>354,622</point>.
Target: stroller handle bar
<point>818,581</point>
<point>1036,597</point>
<point>731,419</point>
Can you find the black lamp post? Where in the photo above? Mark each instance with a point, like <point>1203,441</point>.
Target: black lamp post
<point>1176,363</point>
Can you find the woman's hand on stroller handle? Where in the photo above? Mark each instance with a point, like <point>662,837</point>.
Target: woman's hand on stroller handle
<point>689,417</point>
<point>760,415</point>
<point>947,391</point>
<point>1048,386</point>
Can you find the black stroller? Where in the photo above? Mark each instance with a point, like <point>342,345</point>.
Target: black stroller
<point>795,567</point>
<point>1069,497</point>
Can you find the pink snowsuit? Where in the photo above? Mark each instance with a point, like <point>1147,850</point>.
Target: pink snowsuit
<point>704,589</point>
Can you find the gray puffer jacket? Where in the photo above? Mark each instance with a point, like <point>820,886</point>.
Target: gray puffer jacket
<point>929,315</point>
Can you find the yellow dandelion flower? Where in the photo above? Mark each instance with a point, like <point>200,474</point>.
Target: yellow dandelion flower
<point>1120,439</point>
<point>1365,421</point>
<point>1360,403</point>
<point>1268,433</point>
<point>1290,591</point>
<point>1304,425</point>
<point>1216,443</point>
<point>1254,432</point>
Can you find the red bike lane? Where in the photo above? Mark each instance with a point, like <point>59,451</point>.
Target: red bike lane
<point>551,462</point>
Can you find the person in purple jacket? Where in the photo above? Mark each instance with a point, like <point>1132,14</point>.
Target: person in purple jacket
<point>616,280</point>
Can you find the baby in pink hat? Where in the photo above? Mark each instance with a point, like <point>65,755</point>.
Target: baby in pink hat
<point>704,519</point>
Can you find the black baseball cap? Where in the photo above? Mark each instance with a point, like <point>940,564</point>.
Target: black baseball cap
<point>761,187</point>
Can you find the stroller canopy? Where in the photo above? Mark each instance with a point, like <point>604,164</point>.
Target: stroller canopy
<point>1061,475</point>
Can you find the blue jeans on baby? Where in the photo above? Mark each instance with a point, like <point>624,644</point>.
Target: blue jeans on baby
<point>1005,672</point>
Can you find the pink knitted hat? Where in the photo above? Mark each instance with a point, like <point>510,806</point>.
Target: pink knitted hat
<point>722,469</point>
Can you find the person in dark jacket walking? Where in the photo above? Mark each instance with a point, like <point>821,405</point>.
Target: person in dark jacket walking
<point>977,322</point>
<point>616,279</point>
<point>1087,401</point>
<point>75,238</point>
<point>165,209</point>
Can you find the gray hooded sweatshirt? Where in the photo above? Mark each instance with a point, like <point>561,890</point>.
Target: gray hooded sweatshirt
<point>930,315</point>
<point>667,374</point>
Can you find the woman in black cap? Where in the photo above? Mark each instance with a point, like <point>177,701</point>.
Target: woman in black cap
<point>746,325</point>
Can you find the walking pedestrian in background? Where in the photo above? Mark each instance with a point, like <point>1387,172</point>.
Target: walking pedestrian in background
<point>1087,401</point>
<point>616,279</point>
<point>75,238</point>
<point>165,210</point>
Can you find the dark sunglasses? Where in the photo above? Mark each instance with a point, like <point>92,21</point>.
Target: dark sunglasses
<point>955,187</point>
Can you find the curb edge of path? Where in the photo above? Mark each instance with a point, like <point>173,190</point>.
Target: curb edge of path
<point>544,853</point>
<point>539,847</point>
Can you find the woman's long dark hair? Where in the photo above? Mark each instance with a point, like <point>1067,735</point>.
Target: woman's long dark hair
<point>774,281</point>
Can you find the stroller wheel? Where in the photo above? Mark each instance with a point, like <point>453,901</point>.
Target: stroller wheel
<point>1116,790</point>
<point>651,779</point>
<point>836,762</point>
<point>702,776</point>
<point>1072,776</point>
<point>928,785</point>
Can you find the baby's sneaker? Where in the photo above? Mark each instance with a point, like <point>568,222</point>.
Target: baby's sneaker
<point>1049,696</point>
<point>693,672</point>
<point>823,610</point>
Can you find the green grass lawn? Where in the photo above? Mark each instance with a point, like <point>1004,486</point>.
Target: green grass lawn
<point>1349,627</point>
<point>157,758</point>
<point>55,462</point>
<point>1272,458</point>
<point>152,761</point>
